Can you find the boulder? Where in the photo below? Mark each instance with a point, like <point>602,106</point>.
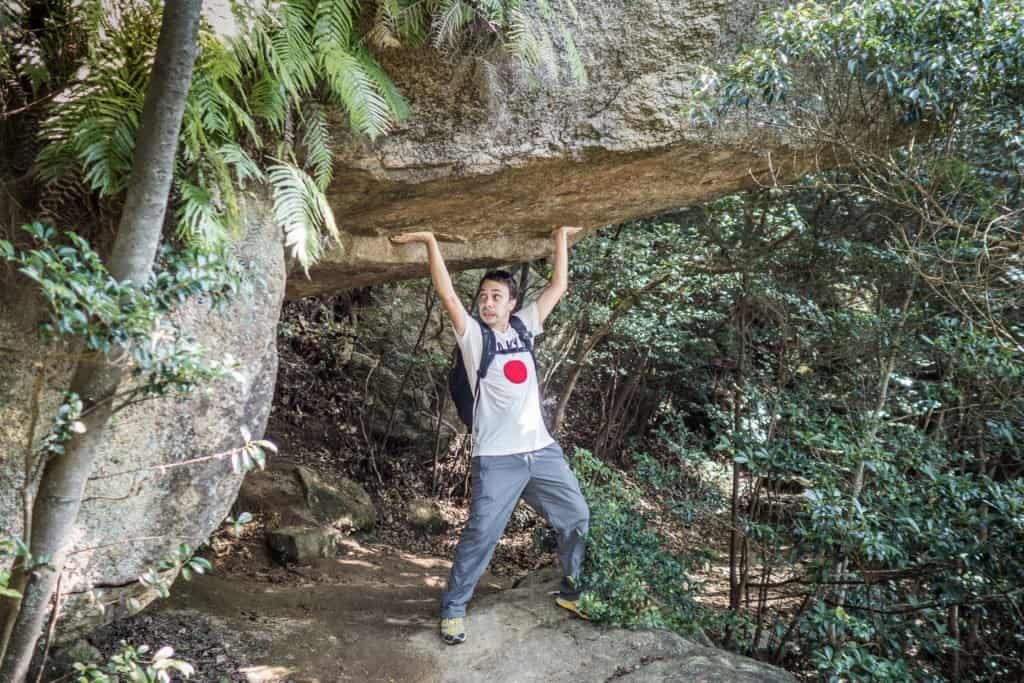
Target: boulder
<point>518,635</point>
<point>293,495</point>
<point>277,494</point>
<point>422,514</point>
<point>135,513</point>
<point>302,544</point>
<point>345,504</point>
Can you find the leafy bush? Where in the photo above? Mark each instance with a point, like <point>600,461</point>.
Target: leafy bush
<point>134,664</point>
<point>629,579</point>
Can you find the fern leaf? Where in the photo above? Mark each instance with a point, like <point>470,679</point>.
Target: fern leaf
<point>199,222</point>
<point>412,22</point>
<point>317,144</point>
<point>451,19</point>
<point>302,211</point>
<point>356,90</point>
<point>576,67</point>
<point>245,168</point>
<point>333,21</point>
<point>269,102</point>
<point>396,102</point>
<point>521,40</point>
<point>383,33</point>
<point>292,48</point>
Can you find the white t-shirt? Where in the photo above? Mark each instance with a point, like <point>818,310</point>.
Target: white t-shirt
<point>507,418</point>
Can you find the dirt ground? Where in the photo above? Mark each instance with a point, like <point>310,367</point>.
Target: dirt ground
<point>342,619</point>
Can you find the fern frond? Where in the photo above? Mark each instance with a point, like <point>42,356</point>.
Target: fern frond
<point>192,137</point>
<point>226,195</point>
<point>317,144</point>
<point>270,102</point>
<point>218,89</point>
<point>104,141</point>
<point>292,48</point>
<point>302,211</point>
<point>396,102</point>
<point>546,11</point>
<point>333,21</point>
<point>412,22</point>
<point>521,40</point>
<point>356,90</point>
<point>199,222</point>
<point>576,67</point>
<point>449,21</point>
<point>57,157</point>
<point>383,33</point>
<point>245,168</point>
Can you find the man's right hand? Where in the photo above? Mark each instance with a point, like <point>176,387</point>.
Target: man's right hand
<point>426,237</point>
<point>438,275</point>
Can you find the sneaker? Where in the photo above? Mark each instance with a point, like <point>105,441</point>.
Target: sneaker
<point>572,606</point>
<point>453,630</point>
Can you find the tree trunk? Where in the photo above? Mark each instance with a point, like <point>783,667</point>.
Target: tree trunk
<point>59,499</point>
<point>742,323</point>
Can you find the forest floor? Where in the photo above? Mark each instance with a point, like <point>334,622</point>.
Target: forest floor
<point>348,618</point>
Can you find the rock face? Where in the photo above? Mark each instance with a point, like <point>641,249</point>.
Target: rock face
<point>133,513</point>
<point>518,635</point>
<point>301,544</point>
<point>306,515</point>
<point>295,495</point>
<point>489,158</point>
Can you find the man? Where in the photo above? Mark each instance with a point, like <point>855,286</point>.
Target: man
<point>514,456</point>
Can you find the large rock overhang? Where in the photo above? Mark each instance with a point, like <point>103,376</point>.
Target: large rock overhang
<point>497,162</point>
<point>507,217</point>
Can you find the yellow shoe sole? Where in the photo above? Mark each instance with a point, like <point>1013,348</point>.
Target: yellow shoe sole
<point>571,606</point>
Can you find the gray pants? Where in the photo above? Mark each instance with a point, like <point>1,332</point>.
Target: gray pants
<point>544,480</point>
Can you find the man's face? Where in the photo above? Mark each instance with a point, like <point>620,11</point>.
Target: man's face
<point>494,303</point>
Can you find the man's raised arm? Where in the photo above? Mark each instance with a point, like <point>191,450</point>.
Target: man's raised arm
<point>440,277</point>
<point>560,277</point>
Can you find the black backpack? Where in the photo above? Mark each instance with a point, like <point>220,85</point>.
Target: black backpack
<point>458,378</point>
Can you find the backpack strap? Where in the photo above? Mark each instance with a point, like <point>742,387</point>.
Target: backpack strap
<point>487,354</point>
<point>527,338</point>
<point>525,335</point>
<point>489,348</point>
<point>486,358</point>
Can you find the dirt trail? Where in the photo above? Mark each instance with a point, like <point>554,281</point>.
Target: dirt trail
<point>344,619</point>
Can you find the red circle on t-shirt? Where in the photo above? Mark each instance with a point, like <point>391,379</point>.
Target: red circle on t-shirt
<point>515,371</point>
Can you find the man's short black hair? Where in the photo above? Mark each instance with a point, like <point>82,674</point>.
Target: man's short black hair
<point>502,276</point>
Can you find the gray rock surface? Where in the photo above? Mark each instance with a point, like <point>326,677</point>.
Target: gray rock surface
<point>423,515</point>
<point>518,635</point>
<point>293,495</point>
<point>301,544</point>
<point>134,513</point>
<point>490,158</point>
<point>344,504</point>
